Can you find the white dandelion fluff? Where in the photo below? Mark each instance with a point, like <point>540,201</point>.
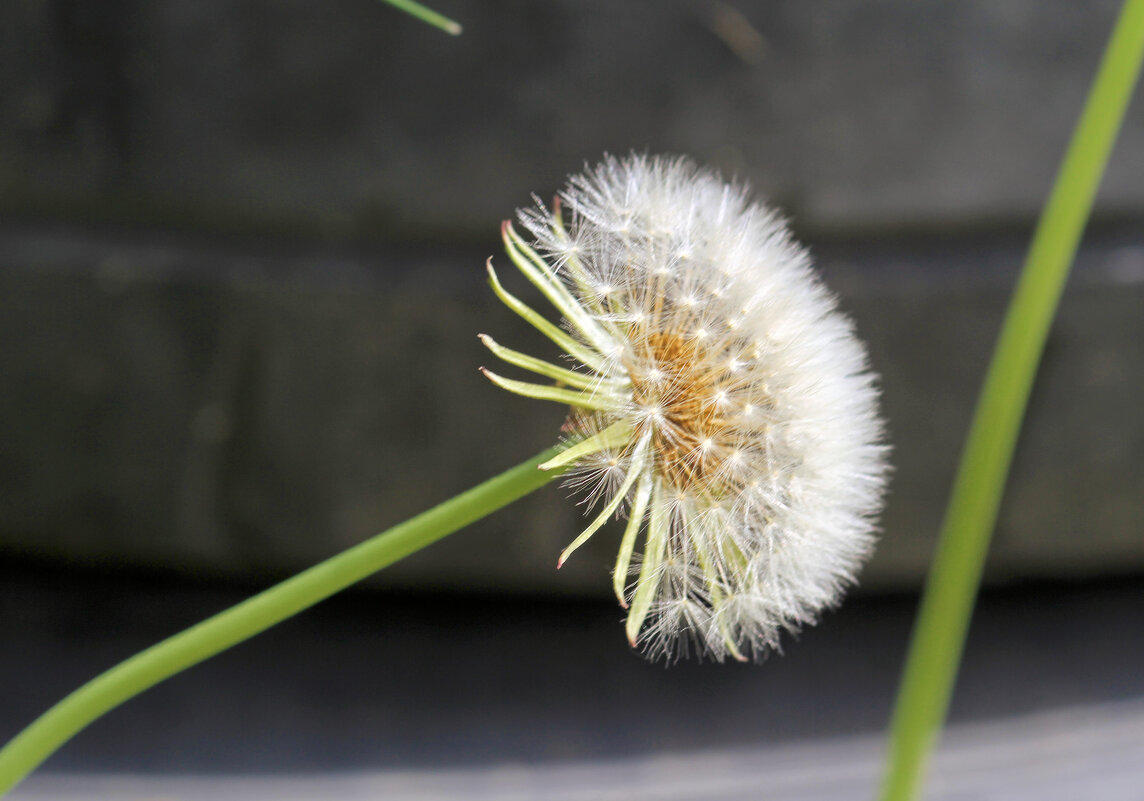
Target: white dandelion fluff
<point>719,402</point>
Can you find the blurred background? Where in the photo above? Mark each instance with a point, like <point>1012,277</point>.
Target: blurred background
<point>241,278</point>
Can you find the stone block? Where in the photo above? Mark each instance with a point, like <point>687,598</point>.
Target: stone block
<point>251,408</point>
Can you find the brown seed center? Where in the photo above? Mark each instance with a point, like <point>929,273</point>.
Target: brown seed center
<point>674,373</point>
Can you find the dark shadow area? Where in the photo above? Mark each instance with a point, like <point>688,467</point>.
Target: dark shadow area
<point>373,680</point>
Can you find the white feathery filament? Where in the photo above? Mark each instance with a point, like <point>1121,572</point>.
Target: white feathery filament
<point>717,398</point>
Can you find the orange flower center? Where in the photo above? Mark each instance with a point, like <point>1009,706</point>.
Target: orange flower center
<point>676,375</point>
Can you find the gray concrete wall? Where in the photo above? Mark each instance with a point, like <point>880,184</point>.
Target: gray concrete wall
<point>241,259</point>
<point>348,117</point>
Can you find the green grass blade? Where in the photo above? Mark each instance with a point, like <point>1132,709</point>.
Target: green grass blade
<point>943,619</point>
<point>427,15</point>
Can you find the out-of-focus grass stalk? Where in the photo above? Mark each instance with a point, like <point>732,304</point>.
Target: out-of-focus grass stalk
<point>427,15</point>
<point>943,619</point>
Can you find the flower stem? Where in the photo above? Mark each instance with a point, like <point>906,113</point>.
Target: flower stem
<point>147,668</point>
<point>943,619</point>
<point>427,15</point>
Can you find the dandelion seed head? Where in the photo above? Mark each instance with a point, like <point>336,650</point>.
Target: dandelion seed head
<point>726,405</point>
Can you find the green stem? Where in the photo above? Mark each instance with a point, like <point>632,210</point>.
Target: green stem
<point>146,669</point>
<point>427,15</point>
<point>943,619</point>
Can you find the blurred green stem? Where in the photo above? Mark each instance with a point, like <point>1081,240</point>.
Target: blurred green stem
<point>427,15</point>
<point>943,619</point>
<point>146,669</point>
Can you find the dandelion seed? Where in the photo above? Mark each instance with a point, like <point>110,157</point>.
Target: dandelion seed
<point>717,397</point>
